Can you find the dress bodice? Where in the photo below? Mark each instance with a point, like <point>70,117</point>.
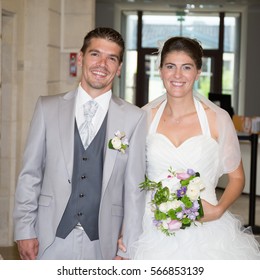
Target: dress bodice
<point>198,152</point>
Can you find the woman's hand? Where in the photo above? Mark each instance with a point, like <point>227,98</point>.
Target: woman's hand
<point>121,247</point>
<point>211,212</point>
<point>120,244</point>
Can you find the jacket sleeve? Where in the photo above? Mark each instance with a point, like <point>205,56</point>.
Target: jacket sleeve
<point>30,178</point>
<point>135,174</point>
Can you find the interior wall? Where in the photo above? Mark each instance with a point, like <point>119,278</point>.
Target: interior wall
<point>36,39</point>
<point>8,128</point>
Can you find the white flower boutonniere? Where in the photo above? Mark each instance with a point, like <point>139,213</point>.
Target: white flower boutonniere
<point>119,142</point>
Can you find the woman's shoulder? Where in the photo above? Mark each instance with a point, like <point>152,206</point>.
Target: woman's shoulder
<point>152,107</point>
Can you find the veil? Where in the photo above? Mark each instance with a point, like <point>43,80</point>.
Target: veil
<point>229,149</point>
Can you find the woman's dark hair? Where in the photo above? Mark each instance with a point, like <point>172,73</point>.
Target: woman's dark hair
<point>191,47</point>
<point>104,33</point>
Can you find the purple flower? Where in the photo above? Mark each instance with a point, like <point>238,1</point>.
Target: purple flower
<point>182,191</point>
<point>190,171</point>
<point>192,216</point>
<point>179,215</point>
<point>156,222</point>
<point>195,205</point>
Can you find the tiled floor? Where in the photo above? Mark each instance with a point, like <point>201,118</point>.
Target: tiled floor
<point>240,207</point>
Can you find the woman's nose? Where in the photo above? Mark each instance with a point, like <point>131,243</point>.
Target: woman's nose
<point>177,72</point>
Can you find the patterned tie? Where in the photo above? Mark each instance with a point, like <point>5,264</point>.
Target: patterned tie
<point>86,129</point>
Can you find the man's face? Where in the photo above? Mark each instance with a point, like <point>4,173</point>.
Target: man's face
<point>100,64</point>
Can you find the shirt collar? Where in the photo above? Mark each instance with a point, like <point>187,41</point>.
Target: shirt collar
<point>102,100</point>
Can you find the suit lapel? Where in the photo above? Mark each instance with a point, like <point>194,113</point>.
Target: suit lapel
<point>67,127</point>
<point>115,121</point>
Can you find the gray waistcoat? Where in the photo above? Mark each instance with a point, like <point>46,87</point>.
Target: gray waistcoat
<point>83,205</point>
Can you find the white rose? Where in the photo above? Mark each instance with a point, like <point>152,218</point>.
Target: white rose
<point>166,206</point>
<point>116,142</point>
<point>197,181</point>
<point>165,223</point>
<point>193,192</point>
<point>119,134</point>
<point>174,204</point>
<point>163,207</point>
<point>172,183</point>
<point>194,188</point>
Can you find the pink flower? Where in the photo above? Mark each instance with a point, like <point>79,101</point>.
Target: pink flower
<point>174,225</point>
<point>183,176</point>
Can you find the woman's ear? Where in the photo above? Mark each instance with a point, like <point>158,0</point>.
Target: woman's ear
<point>198,74</point>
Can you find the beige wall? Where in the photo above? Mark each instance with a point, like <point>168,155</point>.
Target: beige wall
<point>36,39</point>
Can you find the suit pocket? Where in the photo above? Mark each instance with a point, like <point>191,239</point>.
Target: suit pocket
<point>45,200</point>
<point>117,210</point>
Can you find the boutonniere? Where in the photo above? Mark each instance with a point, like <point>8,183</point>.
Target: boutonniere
<point>119,142</point>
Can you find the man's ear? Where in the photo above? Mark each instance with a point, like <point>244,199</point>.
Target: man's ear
<point>80,58</point>
<point>118,72</point>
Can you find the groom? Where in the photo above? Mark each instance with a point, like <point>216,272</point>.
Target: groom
<point>79,185</point>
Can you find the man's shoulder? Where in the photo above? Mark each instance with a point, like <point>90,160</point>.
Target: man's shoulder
<point>66,95</point>
<point>127,104</point>
<point>56,98</point>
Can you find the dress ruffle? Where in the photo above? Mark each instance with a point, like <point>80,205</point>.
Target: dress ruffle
<point>223,239</point>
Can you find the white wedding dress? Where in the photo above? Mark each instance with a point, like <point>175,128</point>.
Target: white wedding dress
<point>220,239</point>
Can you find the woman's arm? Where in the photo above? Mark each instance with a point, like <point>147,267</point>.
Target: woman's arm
<point>234,188</point>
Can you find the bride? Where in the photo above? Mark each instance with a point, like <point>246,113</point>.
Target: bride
<point>187,131</point>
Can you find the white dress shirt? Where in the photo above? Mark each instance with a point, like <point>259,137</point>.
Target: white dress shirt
<point>103,104</point>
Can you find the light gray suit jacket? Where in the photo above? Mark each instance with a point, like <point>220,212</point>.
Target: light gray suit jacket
<point>44,183</point>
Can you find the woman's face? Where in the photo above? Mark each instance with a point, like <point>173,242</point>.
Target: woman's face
<point>179,73</point>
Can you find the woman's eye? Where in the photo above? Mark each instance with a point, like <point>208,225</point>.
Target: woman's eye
<point>186,67</point>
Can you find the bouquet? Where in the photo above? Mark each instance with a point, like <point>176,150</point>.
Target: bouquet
<point>176,202</point>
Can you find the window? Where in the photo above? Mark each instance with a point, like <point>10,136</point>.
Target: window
<point>219,39</point>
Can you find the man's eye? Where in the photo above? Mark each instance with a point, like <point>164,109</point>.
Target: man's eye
<point>186,67</point>
<point>169,66</point>
<point>114,59</point>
